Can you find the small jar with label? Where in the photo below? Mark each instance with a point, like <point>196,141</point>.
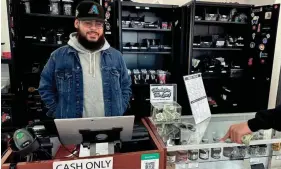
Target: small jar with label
<point>227,151</point>
<point>204,154</point>
<point>55,7</point>
<point>171,157</point>
<point>276,146</point>
<point>192,155</point>
<point>253,150</point>
<point>216,153</point>
<point>181,157</point>
<point>67,7</point>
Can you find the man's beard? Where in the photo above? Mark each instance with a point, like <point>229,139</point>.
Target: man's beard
<point>90,45</point>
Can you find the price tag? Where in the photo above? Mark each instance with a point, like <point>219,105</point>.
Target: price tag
<point>193,165</point>
<point>197,97</point>
<point>98,163</point>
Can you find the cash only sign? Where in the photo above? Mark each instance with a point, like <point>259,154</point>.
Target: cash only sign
<point>96,163</point>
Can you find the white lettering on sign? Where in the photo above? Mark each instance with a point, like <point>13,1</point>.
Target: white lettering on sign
<point>97,163</point>
<point>161,93</point>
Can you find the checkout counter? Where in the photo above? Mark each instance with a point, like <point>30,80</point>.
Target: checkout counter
<point>181,145</point>
<point>140,152</point>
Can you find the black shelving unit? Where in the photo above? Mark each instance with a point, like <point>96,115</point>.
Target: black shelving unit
<point>147,29</point>
<point>146,59</point>
<point>217,81</point>
<point>252,81</point>
<point>219,22</point>
<point>219,49</point>
<point>48,15</point>
<point>135,52</point>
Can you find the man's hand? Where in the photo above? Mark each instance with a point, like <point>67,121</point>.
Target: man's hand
<point>236,132</point>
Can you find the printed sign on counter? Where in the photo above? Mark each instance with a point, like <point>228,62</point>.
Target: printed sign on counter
<point>97,163</point>
<point>162,93</point>
<point>197,97</point>
<point>150,161</point>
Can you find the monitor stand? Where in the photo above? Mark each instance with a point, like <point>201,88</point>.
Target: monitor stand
<point>102,142</point>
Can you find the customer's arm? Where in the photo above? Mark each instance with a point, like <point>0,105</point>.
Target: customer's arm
<point>125,85</point>
<point>266,119</point>
<point>47,86</point>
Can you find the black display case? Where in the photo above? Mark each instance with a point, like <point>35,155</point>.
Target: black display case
<point>219,38</point>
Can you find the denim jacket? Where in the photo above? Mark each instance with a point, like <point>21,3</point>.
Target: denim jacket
<point>61,84</point>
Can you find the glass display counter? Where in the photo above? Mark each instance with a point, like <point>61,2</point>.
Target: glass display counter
<point>198,146</point>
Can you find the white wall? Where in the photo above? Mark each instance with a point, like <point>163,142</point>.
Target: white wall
<point>4,27</point>
<point>276,66</point>
<point>4,38</point>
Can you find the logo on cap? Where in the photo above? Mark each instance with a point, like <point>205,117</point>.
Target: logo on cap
<point>94,9</point>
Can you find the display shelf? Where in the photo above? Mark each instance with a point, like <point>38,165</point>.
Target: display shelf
<point>6,61</point>
<point>149,5</point>
<point>222,4</point>
<point>147,29</point>
<point>138,52</point>
<point>48,45</point>
<point>219,49</point>
<point>48,15</point>
<point>219,22</point>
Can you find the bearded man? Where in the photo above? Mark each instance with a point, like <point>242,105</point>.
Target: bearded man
<point>86,77</point>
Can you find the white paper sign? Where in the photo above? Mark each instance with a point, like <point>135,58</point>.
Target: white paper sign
<point>161,93</point>
<point>197,97</point>
<point>97,163</point>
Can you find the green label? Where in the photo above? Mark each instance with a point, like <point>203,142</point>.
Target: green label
<point>150,156</point>
<point>20,135</point>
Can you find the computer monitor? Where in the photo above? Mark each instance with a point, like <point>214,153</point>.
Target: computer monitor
<point>68,129</point>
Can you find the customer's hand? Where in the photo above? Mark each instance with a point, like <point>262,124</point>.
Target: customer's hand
<point>236,132</point>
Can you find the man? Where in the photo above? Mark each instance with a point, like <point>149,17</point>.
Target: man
<point>263,120</point>
<point>87,77</point>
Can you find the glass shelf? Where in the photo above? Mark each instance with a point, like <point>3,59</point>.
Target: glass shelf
<point>211,130</point>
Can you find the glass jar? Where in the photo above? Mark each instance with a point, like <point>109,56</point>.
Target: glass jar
<point>253,150</point>
<point>262,149</point>
<point>192,155</point>
<point>54,7</point>
<point>182,157</point>
<point>227,151</point>
<point>67,7</point>
<point>216,153</point>
<point>204,154</point>
<point>171,157</point>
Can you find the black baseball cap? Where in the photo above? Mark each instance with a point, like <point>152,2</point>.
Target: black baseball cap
<point>89,10</point>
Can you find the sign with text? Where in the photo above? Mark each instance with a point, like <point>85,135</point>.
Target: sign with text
<point>150,161</point>
<point>96,163</point>
<point>197,97</point>
<point>163,93</point>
